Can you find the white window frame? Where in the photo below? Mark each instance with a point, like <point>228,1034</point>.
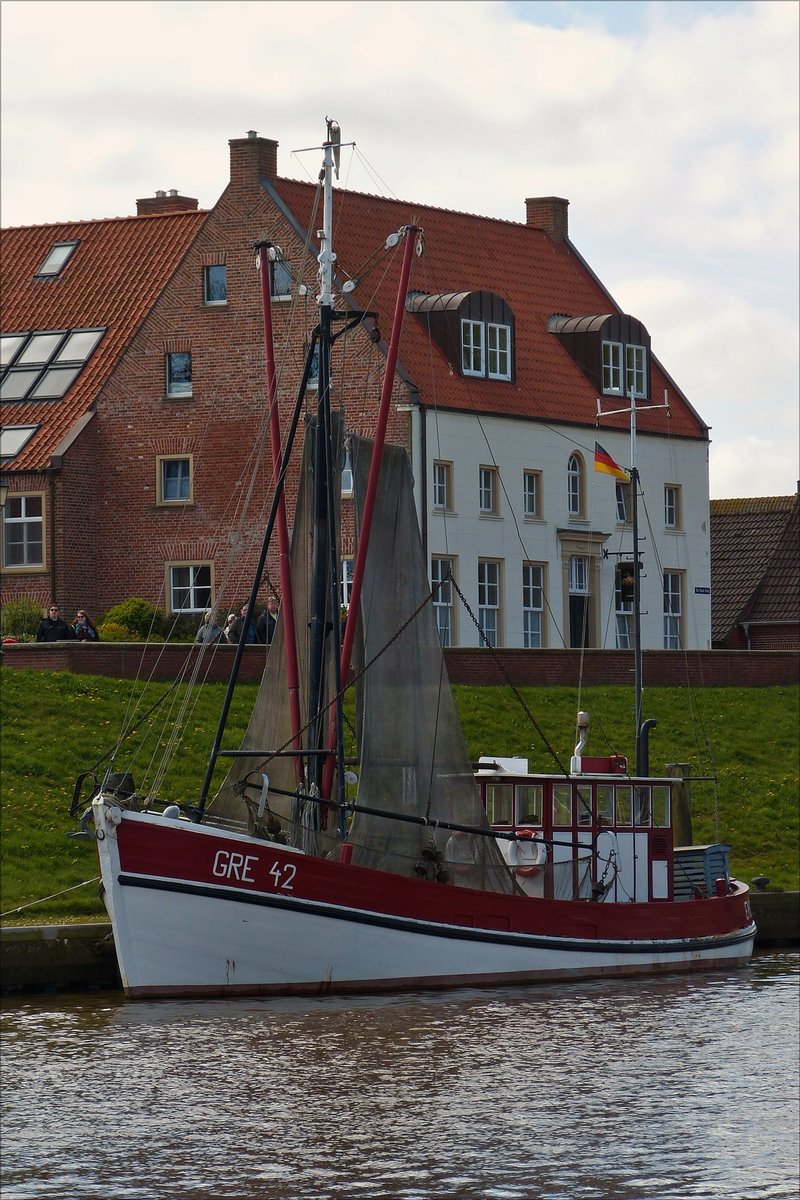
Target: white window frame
<point>442,486</point>
<point>673,610</point>
<point>489,600</point>
<point>575,485</point>
<point>623,496</point>
<point>488,487</point>
<point>348,566</point>
<point>498,357</point>
<point>636,371</point>
<point>532,605</point>
<point>578,575</point>
<point>532,495</point>
<point>201,594</point>
<point>181,387</point>
<point>472,347</point>
<point>27,523</point>
<point>623,617</point>
<point>346,478</point>
<point>442,574</point>
<point>612,368</point>
<point>208,300</point>
<point>280,278</point>
<point>673,516</point>
<point>162,499</point>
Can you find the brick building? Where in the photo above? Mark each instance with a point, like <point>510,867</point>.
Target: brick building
<point>755,573</point>
<point>135,446</point>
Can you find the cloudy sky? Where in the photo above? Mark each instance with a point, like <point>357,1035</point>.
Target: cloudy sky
<point>672,128</point>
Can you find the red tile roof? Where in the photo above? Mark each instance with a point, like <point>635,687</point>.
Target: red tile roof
<point>112,279</point>
<point>537,276</point>
<point>755,562</point>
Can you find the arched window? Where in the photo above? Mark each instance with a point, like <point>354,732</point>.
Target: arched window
<point>575,487</point>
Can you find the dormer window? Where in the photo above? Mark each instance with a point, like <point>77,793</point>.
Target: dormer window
<point>56,260</point>
<point>612,351</point>
<point>474,330</point>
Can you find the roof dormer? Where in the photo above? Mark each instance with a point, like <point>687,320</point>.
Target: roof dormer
<point>474,330</point>
<point>612,350</point>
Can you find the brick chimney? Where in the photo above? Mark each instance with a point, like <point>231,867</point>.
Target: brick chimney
<point>548,213</point>
<point>253,158</point>
<point>165,202</point>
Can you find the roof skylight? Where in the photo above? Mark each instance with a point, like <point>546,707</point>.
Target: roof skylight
<point>13,438</point>
<point>42,365</point>
<point>56,260</point>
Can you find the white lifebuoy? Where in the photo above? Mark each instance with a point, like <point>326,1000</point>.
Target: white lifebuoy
<point>527,855</point>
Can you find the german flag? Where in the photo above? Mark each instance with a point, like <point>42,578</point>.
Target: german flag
<point>605,463</point>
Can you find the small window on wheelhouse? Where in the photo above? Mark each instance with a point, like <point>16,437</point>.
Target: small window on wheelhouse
<point>605,803</point>
<point>584,798</point>
<point>562,804</point>
<point>530,803</point>
<point>499,803</point>
<point>624,804</point>
<point>641,805</point>
<point>661,814</point>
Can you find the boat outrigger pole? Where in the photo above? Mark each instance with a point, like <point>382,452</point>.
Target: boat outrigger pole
<point>642,727</point>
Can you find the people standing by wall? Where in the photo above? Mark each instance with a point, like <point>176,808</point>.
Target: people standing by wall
<point>209,631</point>
<point>267,622</point>
<point>53,627</point>
<point>83,628</point>
<point>235,631</point>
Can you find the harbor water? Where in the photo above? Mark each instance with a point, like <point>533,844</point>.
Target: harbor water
<point>675,1088</point>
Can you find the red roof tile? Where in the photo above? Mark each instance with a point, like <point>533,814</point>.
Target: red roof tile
<point>111,280</point>
<point>536,275</point>
<point>754,561</point>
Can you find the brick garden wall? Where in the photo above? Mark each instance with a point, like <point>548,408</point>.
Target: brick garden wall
<point>525,668</point>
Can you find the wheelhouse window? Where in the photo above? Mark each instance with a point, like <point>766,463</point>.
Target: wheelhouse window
<point>575,486</point>
<point>179,373</point>
<point>23,532</point>
<point>673,609</point>
<point>442,591</point>
<point>472,361</point>
<point>532,494</point>
<point>672,506</point>
<point>56,260</point>
<point>532,605</point>
<point>443,486</point>
<point>174,480</point>
<point>189,587</point>
<point>488,491</point>
<point>612,368</point>
<point>215,284</point>
<point>530,803</point>
<point>499,803</point>
<point>41,365</point>
<point>489,600</point>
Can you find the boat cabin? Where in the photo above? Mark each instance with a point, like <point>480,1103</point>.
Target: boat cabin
<point>602,836</point>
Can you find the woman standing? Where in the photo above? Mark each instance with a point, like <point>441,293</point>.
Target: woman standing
<point>84,629</point>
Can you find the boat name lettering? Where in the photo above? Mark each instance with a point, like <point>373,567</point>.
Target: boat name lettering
<point>283,874</point>
<point>230,865</point>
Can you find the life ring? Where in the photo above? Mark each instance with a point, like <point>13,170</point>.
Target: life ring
<point>529,851</point>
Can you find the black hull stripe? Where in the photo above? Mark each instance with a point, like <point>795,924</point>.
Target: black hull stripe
<point>464,933</point>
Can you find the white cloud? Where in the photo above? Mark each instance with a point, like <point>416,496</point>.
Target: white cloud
<point>675,139</point>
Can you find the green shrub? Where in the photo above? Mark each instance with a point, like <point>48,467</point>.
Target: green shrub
<point>183,629</point>
<point>20,618</point>
<point>138,617</point>
<point>112,631</point>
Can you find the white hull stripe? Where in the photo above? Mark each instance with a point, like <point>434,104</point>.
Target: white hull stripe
<point>430,929</point>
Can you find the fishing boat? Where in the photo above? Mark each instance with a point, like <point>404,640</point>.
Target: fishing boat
<point>366,852</point>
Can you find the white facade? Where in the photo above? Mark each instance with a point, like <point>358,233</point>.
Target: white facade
<point>474,515</point>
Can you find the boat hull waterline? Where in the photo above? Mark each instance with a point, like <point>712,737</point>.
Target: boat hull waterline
<point>201,911</point>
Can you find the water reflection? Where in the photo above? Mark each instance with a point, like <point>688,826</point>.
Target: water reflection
<point>672,1088</point>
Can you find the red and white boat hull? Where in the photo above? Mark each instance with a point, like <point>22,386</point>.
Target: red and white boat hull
<point>196,910</point>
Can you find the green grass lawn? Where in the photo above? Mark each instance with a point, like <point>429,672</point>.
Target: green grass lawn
<point>56,725</point>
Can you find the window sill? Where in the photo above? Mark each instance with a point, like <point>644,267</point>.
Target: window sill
<point>487,516</point>
<point>178,396</point>
<point>180,504</point>
<point>444,512</point>
<point>531,519</point>
<point>215,304</point>
<point>35,569</point>
<point>670,530</point>
<point>281,299</point>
